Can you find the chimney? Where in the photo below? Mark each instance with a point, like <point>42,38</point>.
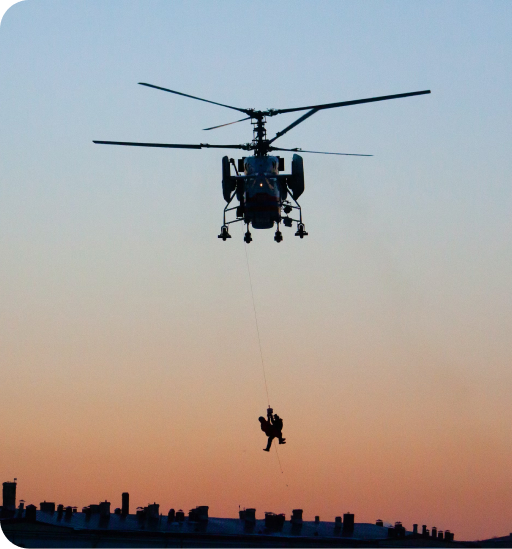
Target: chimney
<point>250,515</point>
<point>270,521</point>
<point>9,495</point>
<point>30,513</point>
<point>125,505</point>
<point>47,507</point>
<point>414,528</point>
<point>104,508</point>
<point>21,506</point>
<point>296,516</point>
<point>153,510</point>
<point>348,522</point>
<point>202,512</point>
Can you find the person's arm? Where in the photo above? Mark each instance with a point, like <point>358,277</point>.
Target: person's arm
<point>270,416</point>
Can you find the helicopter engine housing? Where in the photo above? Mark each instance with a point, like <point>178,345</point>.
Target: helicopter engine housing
<point>296,181</point>
<point>228,181</point>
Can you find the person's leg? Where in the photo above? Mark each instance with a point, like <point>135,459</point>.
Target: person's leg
<point>269,444</point>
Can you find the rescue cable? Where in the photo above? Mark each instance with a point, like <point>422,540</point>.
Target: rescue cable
<point>257,326</point>
<point>259,343</point>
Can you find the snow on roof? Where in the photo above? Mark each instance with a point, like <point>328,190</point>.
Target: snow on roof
<point>214,526</point>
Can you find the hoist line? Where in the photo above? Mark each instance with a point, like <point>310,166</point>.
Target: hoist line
<point>279,459</point>
<point>259,343</point>
<point>257,326</point>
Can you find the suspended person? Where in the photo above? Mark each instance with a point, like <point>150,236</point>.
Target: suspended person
<point>272,427</point>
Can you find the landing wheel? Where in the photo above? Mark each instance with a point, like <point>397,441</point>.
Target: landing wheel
<point>247,237</point>
<point>278,237</point>
<point>224,234</point>
<point>301,231</point>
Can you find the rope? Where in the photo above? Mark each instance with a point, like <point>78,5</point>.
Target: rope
<point>279,459</point>
<point>261,352</point>
<point>257,326</point>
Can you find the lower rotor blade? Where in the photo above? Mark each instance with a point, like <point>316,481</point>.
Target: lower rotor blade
<point>173,145</point>
<point>317,152</point>
<point>165,145</point>
<point>228,124</point>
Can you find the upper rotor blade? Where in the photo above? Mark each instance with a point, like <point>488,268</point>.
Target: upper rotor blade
<point>173,145</point>
<point>228,124</point>
<point>246,111</point>
<point>317,152</point>
<point>293,124</point>
<point>273,112</point>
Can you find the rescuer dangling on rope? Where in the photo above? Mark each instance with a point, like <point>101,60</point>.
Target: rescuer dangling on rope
<point>272,427</point>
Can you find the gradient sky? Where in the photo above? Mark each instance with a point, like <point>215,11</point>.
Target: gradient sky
<point>129,354</point>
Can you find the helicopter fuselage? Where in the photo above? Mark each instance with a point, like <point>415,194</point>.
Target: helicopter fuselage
<point>262,193</point>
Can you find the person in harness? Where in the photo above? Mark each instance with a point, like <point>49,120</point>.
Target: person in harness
<point>272,427</point>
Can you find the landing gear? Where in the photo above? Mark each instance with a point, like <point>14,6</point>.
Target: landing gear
<point>224,234</point>
<point>287,221</point>
<point>301,231</point>
<point>247,236</point>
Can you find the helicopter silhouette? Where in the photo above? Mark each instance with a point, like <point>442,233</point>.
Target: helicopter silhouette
<point>265,197</point>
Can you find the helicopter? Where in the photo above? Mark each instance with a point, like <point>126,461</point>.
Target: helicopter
<point>265,196</point>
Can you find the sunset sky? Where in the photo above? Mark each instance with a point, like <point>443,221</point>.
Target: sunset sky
<point>129,357</point>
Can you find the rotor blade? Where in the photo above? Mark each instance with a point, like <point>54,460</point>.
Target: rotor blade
<point>228,124</point>
<point>246,111</point>
<point>317,152</point>
<point>293,124</point>
<point>147,144</point>
<point>273,112</point>
<point>173,146</point>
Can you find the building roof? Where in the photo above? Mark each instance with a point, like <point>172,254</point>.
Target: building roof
<point>213,526</point>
